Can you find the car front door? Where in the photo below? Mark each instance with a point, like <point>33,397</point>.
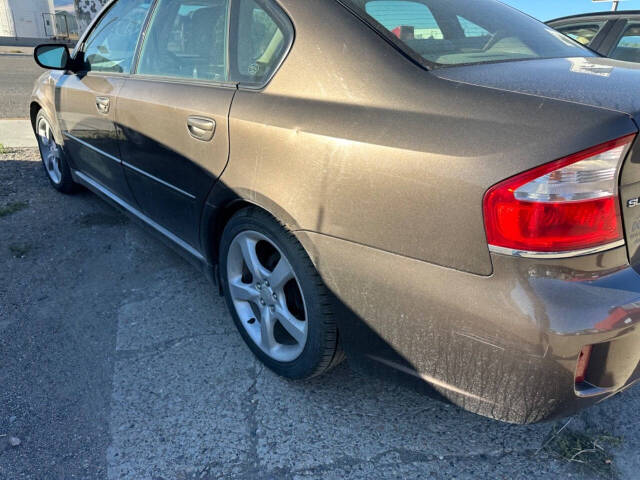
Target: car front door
<point>87,98</point>
<point>173,113</point>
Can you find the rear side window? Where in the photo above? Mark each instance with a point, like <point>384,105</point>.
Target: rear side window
<point>111,45</point>
<point>459,32</point>
<point>263,35</point>
<point>583,33</point>
<point>628,48</point>
<point>187,39</point>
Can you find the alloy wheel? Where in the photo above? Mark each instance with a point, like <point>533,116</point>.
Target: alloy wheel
<point>50,151</point>
<point>267,296</point>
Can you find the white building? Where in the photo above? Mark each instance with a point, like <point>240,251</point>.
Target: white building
<point>27,18</point>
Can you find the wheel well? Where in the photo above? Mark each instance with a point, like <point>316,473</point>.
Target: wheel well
<point>218,223</point>
<point>33,110</point>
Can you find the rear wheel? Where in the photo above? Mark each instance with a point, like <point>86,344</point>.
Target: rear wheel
<point>277,299</point>
<point>53,158</point>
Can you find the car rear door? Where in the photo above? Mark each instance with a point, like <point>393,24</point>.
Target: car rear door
<point>86,100</point>
<point>173,113</point>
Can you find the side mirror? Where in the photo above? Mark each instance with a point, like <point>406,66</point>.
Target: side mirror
<point>53,56</point>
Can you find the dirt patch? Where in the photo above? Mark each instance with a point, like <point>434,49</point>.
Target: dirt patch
<point>11,208</point>
<point>19,250</point>
<point>588,451</point>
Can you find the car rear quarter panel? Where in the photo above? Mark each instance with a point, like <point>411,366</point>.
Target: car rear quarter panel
<point>504,346</point>
<point>353,140</point>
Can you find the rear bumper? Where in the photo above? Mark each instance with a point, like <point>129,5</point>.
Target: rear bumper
<point>504,346</point>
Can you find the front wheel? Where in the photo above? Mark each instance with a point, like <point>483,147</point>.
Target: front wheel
<point>53,158</point>
<point>276,297</point>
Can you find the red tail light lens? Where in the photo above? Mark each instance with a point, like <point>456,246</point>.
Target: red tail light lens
<point>566,205</point>
<point>583,363</point>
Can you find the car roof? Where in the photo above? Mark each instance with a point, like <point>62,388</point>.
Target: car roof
<point>619,14</point>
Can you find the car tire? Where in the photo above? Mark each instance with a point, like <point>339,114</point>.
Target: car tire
<point>272,316</point>
<point>53,158</point>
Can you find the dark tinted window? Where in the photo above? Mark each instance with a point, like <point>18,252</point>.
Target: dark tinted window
<point>263,36</point>
<point>187,39</point>
<point>453,32</point>
<point>628,48</point>
<point>111,45</point>
<point>583,33</point>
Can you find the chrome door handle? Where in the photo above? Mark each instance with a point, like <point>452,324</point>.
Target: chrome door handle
<point>201,128</point>
<point>103,104</point>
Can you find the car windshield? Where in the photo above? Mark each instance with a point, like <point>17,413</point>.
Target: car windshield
<point>458,32</point>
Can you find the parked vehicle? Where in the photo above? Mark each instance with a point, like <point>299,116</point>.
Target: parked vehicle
<point>612,34</point>
<point>442,188</point>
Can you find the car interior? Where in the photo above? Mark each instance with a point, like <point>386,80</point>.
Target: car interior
<point>583,33</point>
<point>628,48</point>
<point>442,36</point>
<point>187,41</point>
<point>435,30</point>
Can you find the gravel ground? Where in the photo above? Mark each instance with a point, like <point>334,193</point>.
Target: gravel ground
<point>117,360</point>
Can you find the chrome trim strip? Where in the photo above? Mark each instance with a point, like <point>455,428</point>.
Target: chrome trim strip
<point>552,255</point>
<point>91,147</point>
<point>156,179</point>
<point>141,216</point>
<point>128,165</point>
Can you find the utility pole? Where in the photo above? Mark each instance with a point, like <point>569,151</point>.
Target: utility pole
<point>614,3</point>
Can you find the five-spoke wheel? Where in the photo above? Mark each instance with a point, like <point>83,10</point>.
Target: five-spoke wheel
<point>53,157</point>
<point>266,295</point>
<point>49,150</point>
<point>276,297</point>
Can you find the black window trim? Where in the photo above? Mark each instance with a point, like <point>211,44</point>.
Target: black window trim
<point>282,20</point>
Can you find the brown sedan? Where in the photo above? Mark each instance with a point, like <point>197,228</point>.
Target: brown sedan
<point>441,188</point>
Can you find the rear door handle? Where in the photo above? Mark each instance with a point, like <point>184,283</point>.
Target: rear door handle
<point>201,128</point>
<point>103,104</point>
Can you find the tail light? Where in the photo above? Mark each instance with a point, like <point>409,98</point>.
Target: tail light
<point>583,363</point>
<point>566,205</point>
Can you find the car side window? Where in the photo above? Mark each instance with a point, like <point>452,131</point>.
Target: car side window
<point>111,45</point>
<point>628,47</point>
<point>262,37</point>
<point>187,39</point>
<point>583,33</point>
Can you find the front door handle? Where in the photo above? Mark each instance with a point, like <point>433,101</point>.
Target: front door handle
<point>201,128</point>
<point>103,104</point>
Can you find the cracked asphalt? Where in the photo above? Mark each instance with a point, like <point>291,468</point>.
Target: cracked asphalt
<point>119,361</point>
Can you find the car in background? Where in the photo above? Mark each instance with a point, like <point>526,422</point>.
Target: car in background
<point>612,34</point>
